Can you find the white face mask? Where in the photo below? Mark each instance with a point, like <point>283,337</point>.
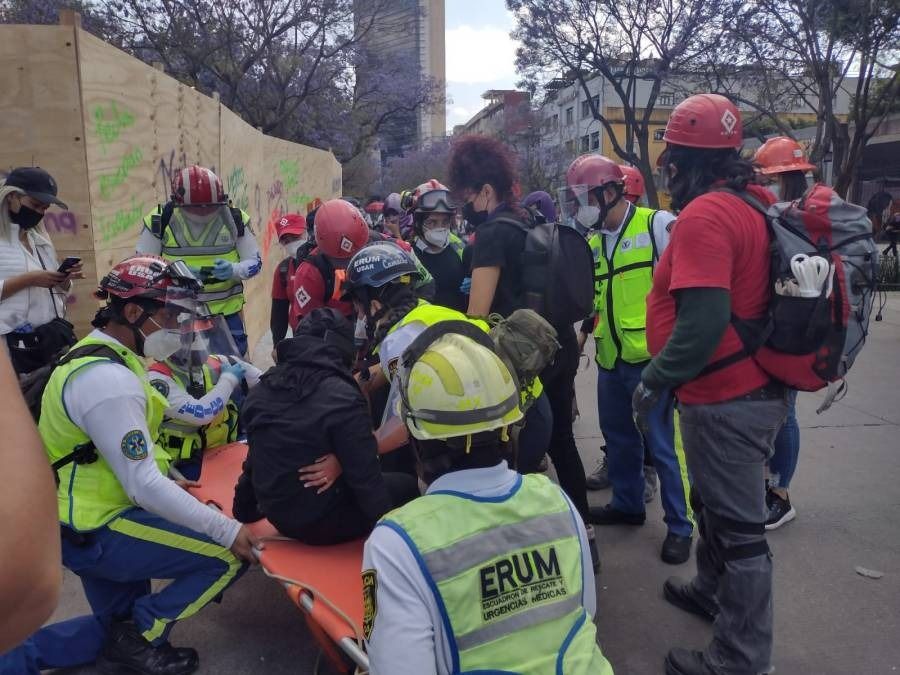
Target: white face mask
<point>292,247</point>
<point>162,344</point>
<point>588,216</point>
<point>437,236</point>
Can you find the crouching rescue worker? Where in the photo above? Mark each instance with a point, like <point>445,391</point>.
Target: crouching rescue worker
<point>123,521</point>
<point>198,386</point>
<point>313,376</point>
<point>489,571</point>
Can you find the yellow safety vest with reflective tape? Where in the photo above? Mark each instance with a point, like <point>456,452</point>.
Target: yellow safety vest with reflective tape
<point>217,240</point>
<point>621,286</point>
<point>430,314</point>
<point>185,441</point>
<point>90,495</point>
<point>507,574</point>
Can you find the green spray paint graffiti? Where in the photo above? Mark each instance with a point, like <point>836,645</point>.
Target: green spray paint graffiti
<point>290,173</point>
<point>109,123</point>
<point>236,187</point>
<point>110,181</point>
<point>121,221</point>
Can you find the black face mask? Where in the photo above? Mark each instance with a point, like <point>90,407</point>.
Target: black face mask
<point>473,217</point>
<point>27,218</point>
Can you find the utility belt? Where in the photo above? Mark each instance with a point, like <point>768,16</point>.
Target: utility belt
<point>768,392</point>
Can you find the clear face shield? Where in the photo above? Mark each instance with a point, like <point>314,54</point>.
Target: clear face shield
<point>202,336</point>
<point>579,208</point>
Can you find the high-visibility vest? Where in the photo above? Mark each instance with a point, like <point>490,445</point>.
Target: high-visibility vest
<point>218,240</point>
<point>621,286</point>
<point>430,314</point>
<point>89,495</point>
<point>507,575</point>
<point>185,441</point>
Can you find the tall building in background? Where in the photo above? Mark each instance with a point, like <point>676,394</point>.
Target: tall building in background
<point>408,33</point>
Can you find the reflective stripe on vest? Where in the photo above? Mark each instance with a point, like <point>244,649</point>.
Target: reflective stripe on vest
<point>621,286</point>
<point>217,240</point>
<point>430,314</point>
<point>507,575</point>
<point>182,440</point>
<point>90,495</point>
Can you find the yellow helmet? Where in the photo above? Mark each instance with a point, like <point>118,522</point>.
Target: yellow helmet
<point>453,384</point>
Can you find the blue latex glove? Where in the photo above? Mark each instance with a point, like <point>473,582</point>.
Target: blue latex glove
<point>222,270</point>
<point>236,369</point>
<point>466,285</point>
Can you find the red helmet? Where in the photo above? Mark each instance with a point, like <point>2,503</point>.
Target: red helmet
<point>290,223</point>
<point>780,155</point>
<point>197,185</point>
<point>340,229</point>
<point>705,121</point>
<point>149,277</point>
<point>634,183</point>
<point>593,170</point>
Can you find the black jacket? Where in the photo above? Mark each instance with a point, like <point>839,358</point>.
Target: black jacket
<point>305,407</point>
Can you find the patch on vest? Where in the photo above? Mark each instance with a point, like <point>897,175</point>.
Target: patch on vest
<point>520,582</point>
<point>370,601</point>
<point>625,244</point>
<point>161,386</point>
<point>134,445</point>
<point>643,240</point>
<point>302,296</point>
<point>346,245</point>
<point>393,365</point>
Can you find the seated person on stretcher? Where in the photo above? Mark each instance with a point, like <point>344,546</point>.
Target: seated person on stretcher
<point>304,408</point>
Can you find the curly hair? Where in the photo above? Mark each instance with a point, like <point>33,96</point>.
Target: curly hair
<point>476,160</point>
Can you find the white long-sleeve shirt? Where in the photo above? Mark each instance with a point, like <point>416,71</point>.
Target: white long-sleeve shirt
<point>201,411</point>
<point>408,636</point>
<point>247,248</point>
<point>107,401</point>
<point>30,307</point>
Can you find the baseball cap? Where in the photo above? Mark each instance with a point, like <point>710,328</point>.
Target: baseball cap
<point>36,183</point>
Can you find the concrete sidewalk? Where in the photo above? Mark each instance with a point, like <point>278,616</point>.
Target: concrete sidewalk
<point>829,619</point>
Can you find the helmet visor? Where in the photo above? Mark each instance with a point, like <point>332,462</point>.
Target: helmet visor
<point>202,335</point>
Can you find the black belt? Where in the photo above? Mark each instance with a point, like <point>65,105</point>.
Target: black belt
<point>767,392</point>
<point>73,537</point>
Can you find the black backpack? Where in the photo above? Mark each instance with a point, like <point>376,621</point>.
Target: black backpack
<point>35,382</point>
<point>557,270</point>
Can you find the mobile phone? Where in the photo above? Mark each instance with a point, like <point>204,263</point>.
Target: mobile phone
<point>68,264</point>
<point>206,274</point>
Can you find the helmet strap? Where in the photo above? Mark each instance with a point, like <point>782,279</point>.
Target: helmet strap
<point>136,330</point>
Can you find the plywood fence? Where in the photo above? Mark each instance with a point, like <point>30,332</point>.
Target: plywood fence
<point>112,130</point>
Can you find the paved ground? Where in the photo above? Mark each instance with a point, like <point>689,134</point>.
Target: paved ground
<point>829,619</point>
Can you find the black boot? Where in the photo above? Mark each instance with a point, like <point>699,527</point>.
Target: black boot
<point>126,651</point>
<point>607,515</point>
<point>686,662</point>
<point>681,594</point>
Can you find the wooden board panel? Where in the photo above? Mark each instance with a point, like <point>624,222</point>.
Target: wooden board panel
<point>42,125</point>
<point>290,179</point>
<point>142,126</point>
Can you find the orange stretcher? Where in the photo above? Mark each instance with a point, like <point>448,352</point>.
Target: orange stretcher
<point>323,581</point>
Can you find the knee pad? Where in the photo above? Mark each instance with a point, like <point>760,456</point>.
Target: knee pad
<point>722,552</point>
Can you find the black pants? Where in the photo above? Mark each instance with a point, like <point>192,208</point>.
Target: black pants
<point>559,381</point>
<point>347,521</point>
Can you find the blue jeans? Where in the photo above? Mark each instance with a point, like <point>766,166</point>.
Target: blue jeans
<point>783,463</point>
<point>625,449</point>
<point>116,566</point>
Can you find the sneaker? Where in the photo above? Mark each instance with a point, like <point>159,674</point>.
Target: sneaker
<point>780,511</point>
<point>651,484</point>
<point>127,650</point>
<point>599,479</point>
<point>687,662</point>
<point>607,515</point>
<point>592,545</point>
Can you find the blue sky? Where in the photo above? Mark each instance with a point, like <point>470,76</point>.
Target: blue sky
<point>480,54</point>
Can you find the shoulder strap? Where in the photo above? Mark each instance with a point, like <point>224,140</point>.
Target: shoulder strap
<point>326,269</point>
<point>526,227</point>
<point>87,452</point>
<point>238,217</point>
<point>653,237</point>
